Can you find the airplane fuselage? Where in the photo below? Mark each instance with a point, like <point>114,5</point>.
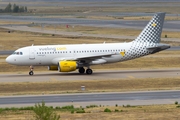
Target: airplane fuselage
<point>51,54</point>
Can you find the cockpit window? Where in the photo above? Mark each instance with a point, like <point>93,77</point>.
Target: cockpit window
<point>18,53</point>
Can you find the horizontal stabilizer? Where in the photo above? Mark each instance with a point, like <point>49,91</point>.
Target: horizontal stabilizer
<point>158,47</point>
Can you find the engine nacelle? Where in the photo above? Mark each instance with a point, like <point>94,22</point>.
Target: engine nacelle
<point>67,66</point>
<point>52,67</point>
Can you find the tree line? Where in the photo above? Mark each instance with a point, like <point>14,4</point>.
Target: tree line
<point>13,9</point>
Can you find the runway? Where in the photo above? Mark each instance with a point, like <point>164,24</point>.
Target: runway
<point>83,99</point>
<point>97,75</point>
<point>168,25</point>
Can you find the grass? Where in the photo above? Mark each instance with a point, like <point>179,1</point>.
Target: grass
<point>47,8</point>
<point>150,112</point>
<point>109,31</point>
<point>17,39</point>
<point>12,22</point>
<point>109,85</point>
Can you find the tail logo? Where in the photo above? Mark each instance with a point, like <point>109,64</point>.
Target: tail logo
<point>154,24</point>
<point>122,53</point>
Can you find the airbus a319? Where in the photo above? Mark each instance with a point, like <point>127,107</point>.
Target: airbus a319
<point>67,58</point>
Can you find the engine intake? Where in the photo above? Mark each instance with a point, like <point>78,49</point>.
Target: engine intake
<point>67,66</point>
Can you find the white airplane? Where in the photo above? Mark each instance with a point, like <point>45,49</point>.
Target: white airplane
<point>67,58</point>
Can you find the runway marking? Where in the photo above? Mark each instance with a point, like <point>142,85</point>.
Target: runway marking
<point>131,77</point>
<point>53,80</point>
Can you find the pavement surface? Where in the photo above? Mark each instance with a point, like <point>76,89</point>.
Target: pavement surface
<point>84,99</point>
<point>77,34</point>
<point>97,75</point>
<point>168,25</point>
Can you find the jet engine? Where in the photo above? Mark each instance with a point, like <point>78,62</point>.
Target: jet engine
<point>67,66</point>
<point>52,67</point>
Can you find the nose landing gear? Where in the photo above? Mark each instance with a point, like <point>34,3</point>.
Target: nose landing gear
<point>31,70</point>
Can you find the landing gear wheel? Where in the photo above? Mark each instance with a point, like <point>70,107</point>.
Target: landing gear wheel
<point>89,71</point>
<point>31,70</point>
<point>81,70</point>
<point>31,73</point>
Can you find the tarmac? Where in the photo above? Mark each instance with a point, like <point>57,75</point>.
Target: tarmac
<point>97,75</point>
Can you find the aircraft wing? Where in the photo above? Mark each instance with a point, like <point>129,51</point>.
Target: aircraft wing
<point>92,57</point>
<point>85,58</point>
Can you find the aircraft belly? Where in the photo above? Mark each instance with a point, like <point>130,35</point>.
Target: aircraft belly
<point>113,58</point>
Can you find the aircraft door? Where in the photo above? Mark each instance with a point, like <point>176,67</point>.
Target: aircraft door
<point>31,53</point>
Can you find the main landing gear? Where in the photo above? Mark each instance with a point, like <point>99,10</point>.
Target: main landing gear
<point>88,71</point>
<point>31,70</point>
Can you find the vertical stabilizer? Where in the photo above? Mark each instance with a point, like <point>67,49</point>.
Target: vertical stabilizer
<point>152,32</point>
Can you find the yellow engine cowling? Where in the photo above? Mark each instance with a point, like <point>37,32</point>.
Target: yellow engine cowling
<point>67,66</point>
<point>52,67</point>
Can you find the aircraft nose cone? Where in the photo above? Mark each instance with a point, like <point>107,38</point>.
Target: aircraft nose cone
<point>8,59</point>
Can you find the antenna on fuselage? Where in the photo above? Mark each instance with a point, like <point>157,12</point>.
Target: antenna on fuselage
<point>32,44</point>
<point>104,42</point>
